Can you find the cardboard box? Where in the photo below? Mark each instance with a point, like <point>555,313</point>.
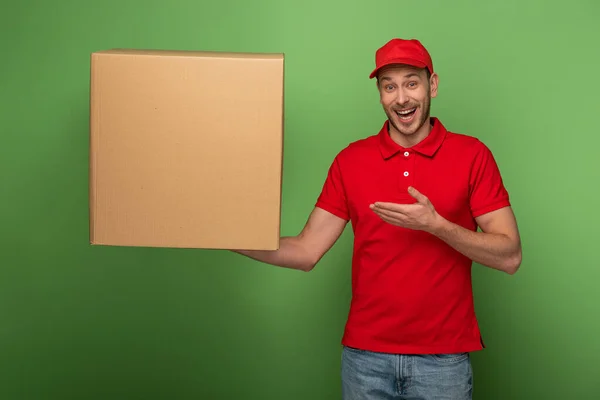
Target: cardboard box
<point>186,149</point>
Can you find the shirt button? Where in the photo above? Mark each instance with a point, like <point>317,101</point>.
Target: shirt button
<point>406,154</point>
<point>405,173</point>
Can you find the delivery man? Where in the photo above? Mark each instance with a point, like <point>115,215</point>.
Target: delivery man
<point>424,204</point>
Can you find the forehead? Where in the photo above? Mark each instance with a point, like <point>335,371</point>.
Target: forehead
<point>400,71</point>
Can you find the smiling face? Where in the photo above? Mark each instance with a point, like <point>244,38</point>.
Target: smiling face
<point>405,93</point>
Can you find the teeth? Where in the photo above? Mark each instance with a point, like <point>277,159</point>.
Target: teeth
<point>406,111</point>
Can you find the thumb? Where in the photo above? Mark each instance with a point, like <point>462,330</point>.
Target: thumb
<point>420,197</point>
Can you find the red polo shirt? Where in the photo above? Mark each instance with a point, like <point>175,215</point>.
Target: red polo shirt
<point>411,292</point>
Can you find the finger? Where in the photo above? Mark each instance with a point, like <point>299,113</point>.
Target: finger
<point>401,211</point>
<point>394,207</point>
<point>388,213</point>
<point>391,216</point>
<point>420,197</point>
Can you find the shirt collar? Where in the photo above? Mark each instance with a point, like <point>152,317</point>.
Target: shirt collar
<point>426,147</point>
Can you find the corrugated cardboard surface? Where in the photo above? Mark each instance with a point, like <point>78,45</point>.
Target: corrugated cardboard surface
<point>186,149</point>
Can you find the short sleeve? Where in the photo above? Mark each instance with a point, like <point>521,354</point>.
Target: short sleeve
<point>487,188</point>
<point>333,195</point>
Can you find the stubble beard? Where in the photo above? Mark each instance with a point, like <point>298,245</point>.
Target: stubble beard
<point>423,119</point>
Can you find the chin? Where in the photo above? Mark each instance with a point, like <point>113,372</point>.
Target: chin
<point>406,128</point>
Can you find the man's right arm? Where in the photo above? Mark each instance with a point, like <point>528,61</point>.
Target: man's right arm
<point>304,251</point>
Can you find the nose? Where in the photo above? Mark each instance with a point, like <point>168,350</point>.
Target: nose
<point>402,97</point>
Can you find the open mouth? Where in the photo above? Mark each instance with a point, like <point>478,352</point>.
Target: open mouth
<point>407,115</point>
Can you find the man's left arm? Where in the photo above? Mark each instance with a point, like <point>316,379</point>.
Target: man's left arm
<point>497,245</point>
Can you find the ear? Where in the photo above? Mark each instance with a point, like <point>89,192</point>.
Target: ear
<point>433,84</point>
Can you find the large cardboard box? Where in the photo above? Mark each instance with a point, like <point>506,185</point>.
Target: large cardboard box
<point>186,149</point>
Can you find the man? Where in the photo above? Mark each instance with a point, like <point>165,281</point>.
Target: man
<point>415,195</point>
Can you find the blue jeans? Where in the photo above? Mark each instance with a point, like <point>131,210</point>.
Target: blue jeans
<point>379,376</point>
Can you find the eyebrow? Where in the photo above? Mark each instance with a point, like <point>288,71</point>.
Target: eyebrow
<point>409,75</point>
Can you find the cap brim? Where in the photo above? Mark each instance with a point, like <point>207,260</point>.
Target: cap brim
<point>403,61</point>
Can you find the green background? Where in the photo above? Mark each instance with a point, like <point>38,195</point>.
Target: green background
<point>82,322</point>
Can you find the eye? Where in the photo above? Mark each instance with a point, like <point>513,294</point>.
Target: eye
<point>412,84</point>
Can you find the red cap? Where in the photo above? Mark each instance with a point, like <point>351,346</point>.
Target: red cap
<point>402,51</point>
